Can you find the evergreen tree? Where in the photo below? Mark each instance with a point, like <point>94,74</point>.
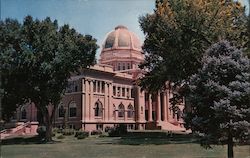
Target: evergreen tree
<point>37,58</point>
<point>219,97</point>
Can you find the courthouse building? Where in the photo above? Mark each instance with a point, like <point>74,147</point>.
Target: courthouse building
<point>106,94</point>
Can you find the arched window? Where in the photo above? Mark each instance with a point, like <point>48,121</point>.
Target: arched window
<point>61,111</point>
<point>98,109</point>
<point>121,110</point>
<point>130,111</point>
<point>72,109</point>
<point>23,112</point>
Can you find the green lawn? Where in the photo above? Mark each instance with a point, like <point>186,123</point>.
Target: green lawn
<point>117,148</point>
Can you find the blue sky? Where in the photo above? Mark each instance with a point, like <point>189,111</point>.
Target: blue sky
<point>94,17</point>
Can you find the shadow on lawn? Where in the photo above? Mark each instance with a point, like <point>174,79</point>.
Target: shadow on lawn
<point>130,140</point>
<point>26,140</point>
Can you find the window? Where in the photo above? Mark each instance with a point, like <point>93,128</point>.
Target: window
<point>98,109</point>
<point>130,111</point>
<point>119,66</point>
<point>128,65</point>
<point>128,93</point>
<point>94,86</point>
<point>123,66</point>
<point>98,86</point>
<point>103,88</point>
<point>61,111</point>
<point>119,91</point>
<point>23,113</point>
<point>123,92</point>
<point>72,109</point>
<point>114,91</point>
<point>121,110</point>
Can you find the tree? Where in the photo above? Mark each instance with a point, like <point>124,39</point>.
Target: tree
<point>179,32</point>
<point>43,56</point>
<point>219,97</point>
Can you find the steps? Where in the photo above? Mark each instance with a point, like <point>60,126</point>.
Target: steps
<point>28,128</point>
<point>171,127</point>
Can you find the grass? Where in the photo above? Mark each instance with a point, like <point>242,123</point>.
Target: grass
<point>107,147</point>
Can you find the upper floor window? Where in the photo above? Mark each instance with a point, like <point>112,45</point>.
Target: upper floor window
<point>94,86</point>
<point>114,90</point>
<point>72,87</point>
<point>119,66</point>
<point>123,66</point>
<point>128,65</point>
<point>98,109</point>
<point>118,91</point>
<point>72,109</point>
<point>123,92</point>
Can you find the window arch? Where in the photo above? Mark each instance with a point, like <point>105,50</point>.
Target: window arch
<point>121,110</point>
<point>98,109</point>
<point>130,111</point>
<point>61,110</point>
<point>23,112</point>
<point>72,109</point>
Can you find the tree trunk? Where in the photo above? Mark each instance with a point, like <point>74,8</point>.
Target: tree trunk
<point>230,152</point>
<point>48,136</point>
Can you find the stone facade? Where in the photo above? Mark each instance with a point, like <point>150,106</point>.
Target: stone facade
<point>106,94</point>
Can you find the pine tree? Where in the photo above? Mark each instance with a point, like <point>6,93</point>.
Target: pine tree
<point>219,97</point>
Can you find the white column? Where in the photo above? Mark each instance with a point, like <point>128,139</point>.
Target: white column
<point>158,115</point>
<point>87,96</point>
<point>168,104</point>
<point>91,110</point>
<point>83,100</point>
<point>150,108</point>
<point>164,108</point>
<point>106,101</point>
<point>110,105</point>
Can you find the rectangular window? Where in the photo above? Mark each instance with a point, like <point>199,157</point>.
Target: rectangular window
<point>123,92</point>
<point>128,65</point>
<point>127,92</point>
<point>123,66</point>
<point>119,66</point>
<point>103,87</point>
<point>114,91</point>
<point>94,86</point>
<point>98,86</point>
<point>119,91</point>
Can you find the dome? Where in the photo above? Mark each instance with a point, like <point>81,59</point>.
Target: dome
<point>121,38</point>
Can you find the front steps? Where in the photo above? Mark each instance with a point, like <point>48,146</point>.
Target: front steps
<point>21,128</point>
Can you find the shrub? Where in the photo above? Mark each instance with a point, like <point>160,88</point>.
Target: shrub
<point>96,132</point>
<point>81,134</point>
<point>118,131</point>
<point>60,136</point>
<point>107,129</point>
<point>68,132</point>
<point>41,130</point>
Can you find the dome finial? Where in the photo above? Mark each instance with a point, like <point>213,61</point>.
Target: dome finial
<point>121,27</point>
